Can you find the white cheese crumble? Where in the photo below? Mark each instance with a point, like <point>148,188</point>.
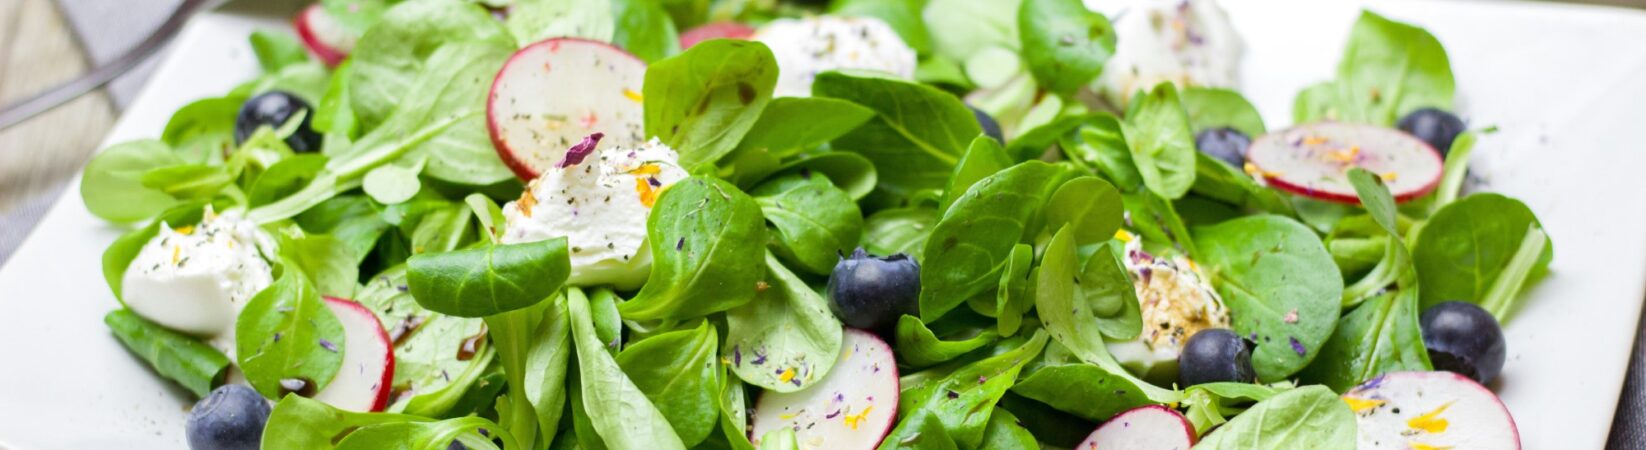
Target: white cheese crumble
<point>1177,302</point>
<point>196,279</point>
<point>600,206</point>
<point>1186,42</point>
<point>809,46</point>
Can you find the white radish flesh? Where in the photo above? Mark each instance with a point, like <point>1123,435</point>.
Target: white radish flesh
<point>1314,160</point>
<point>1404,410</point>
<point>323,35</point>
<point>363,381</point>
<point>853,407</point>
<point>552,94</point>
<point>1152,427</point>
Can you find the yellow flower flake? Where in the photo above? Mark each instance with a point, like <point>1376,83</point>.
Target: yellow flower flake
<point>188,230</point>
<point>1359,405</point>
<point>1344,156</point>
<point>1124,236</point>
<point>1390,176</point>
<point>1422,446</point>
<point>1314,140</point>
<point>1431,422</point>
<point>1252,170</point>
<point>632,95</point>
<point>852,420</point>
<point>646,169</point>
<point>175,251</point>
<point>648,194</point>
<point>787,376</point>
<point>788,416</point>
<point>527,200</point>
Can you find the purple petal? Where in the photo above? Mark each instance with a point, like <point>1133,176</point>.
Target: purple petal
<point>575,155</point>
<point>1298,346</point>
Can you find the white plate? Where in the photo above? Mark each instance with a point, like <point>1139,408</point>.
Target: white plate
<point>1562,83</point>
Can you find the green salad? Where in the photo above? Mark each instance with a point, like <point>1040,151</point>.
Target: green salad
<point>847,224</point>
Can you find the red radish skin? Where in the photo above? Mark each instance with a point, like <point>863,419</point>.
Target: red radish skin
<point>853,408</point>
<point>717,30</point>
<point>1313,161</point>
<point>1435,409</point>
<point>323,35</point>
<point>1152,427</point>
<point>366,339</point>
<point>552,94</point>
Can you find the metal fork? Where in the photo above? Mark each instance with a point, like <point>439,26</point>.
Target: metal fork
<point>19,111</point>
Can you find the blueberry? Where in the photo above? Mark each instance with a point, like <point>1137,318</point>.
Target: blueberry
<point>1464,339</point>
<point>274,108</point>
<point>230,418</point>
<point>871,293</point>
<point>1215,354</point>
<point>991,127</point>
<point>1434,126</point>
<point>1227,144</point>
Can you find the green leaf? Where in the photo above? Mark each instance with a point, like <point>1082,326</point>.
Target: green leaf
<point>112,185</point>
<point>330,263</point>
<point>298,423</point>
<point>536,20</point>
<point>1390,69</point>
<point>409,435</point>
<point>644,28</point>
<point>1004,432</point>
<point>1380,336</point>
<point>1210,108</point>
<point>680,372</point>
<point>389,58</point>
<point>703,101</point>
<point>1064,44</point>
<point>1091,207</point>
<point>963,400</point>
<point>285,178</point>
<point>815,221</point>
<point>1101,145</point>
<point>786,339</point>
<point>920,347</point>
<point>968,248</point>
<point>287,332</point>
<point>851,172</point>
<point>791,124</point>
<point>962,28</point>
<point>983,158</point>
<point>1466,247</point>
<point>187,181</point>
<point>1162,145</point>
<point>185,360</point>
<point>1306,417</point>
<point>429,351</point>
<point>357,16</point>
<point>1082,306</point>
<point>276,50</point>
<point>704,234</point>
<point>1089,390</point>
<point>917,135</point>
<point>488,280</point>
<point>633,421</point>
<point>901,230</point>
<point>203,131</point>
<point>1219,181</point>
<point>1015,296</point>
<point>391,184</point>
<point>1280,286</point>
<point>1501,297</point>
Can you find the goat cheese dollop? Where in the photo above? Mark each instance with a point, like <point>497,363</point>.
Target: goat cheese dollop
<point>1186,42</point>
<point>196,279</point>
<point>809,46</point>
<point>600,205</point>
<point>1177,302</point>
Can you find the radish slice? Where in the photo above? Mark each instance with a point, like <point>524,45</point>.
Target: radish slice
<point>1314,160</point>
<point>323,35</point>
<point>1430,410</point>
<point>854,406</point>
<point>717,30</point>
<point>1152,427</point>
<point>552,94</point>
<point>363,382</point>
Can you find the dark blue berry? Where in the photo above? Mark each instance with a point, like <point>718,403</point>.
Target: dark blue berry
<point>230,418</point>
<point>1435,127</point>
<point>1215,354</point>
<point>1464,339</point>
<point>871,293</point>
<point>273,109</point>
<point>1226,144</point>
